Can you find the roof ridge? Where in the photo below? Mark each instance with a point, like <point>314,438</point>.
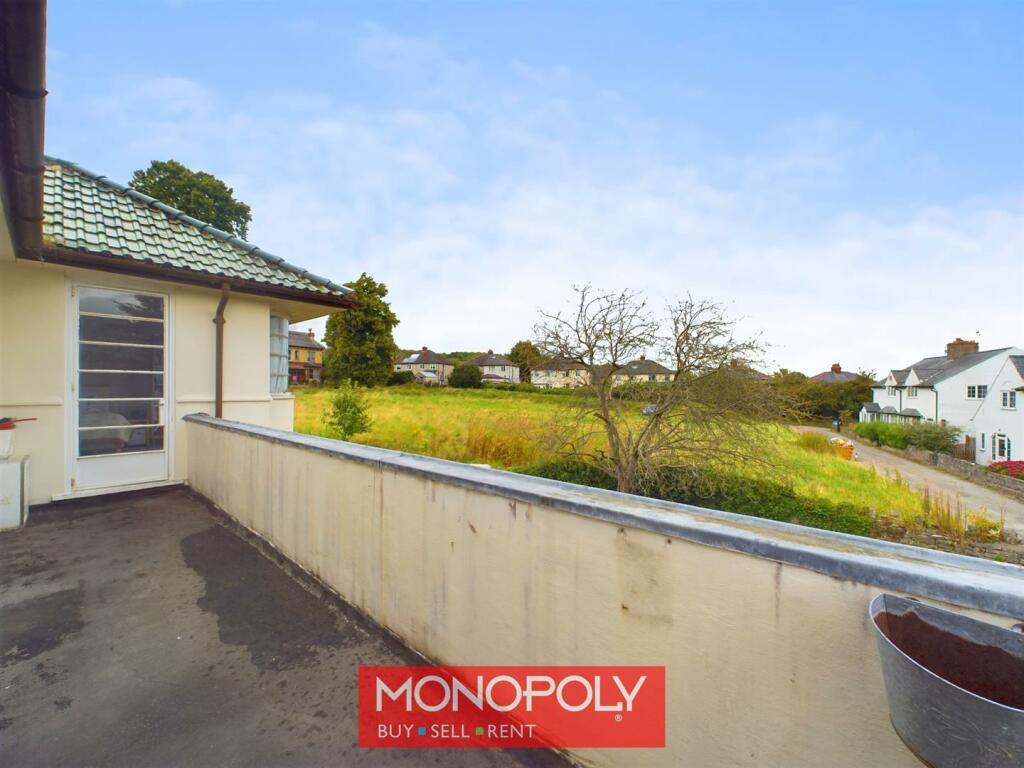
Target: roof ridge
<point>204,227</point>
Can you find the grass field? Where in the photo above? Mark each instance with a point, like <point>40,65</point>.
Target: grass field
<point>507,429</point>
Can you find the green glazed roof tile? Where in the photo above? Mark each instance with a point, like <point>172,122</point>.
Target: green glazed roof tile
<point>86,212</point>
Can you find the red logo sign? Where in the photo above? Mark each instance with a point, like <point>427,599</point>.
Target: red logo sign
<point>511,707</point>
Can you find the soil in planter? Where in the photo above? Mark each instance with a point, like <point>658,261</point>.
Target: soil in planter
<point>981,669</point>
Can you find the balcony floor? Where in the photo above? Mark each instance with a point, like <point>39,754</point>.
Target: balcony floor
<point>138,631</point>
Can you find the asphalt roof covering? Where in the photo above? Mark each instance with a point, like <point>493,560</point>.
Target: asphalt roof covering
<point>423,357</point>
<point>489,358</point>
<point>931,370</point>
<point>84,211</point>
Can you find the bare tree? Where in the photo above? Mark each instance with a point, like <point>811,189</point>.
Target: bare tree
<point>712,412</point>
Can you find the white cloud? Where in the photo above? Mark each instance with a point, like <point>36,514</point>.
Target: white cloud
<point>487,194</point>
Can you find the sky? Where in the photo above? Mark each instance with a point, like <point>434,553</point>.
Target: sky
<point>846,178</point>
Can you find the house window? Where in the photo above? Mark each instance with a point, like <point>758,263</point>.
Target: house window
<point>982,390</point>
<point>891,391</point>
<point>1002,446</point>
<point>1009,399</point>
<point>311,356</point>
<point>278,354</point>
<point>911,391</point>
<point>983,441</point>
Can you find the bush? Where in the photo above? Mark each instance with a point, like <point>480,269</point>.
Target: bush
<point>346,416</point>
<point>398,378</point>
<point>925,435</point>
<point>1011,468</point>
<point>726,491</point>
<point>465,376</point>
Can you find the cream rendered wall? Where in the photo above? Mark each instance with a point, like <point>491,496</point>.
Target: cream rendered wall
<point>768,664</point>
<point>34,368</point>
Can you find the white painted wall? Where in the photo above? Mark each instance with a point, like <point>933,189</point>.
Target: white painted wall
<point>992,418</point>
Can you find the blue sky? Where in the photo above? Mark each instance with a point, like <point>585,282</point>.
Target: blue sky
<point>848,178</point>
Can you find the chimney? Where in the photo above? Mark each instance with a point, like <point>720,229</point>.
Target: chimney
<point>423,350</point>
<point>960,347</point>
<point>837,368</point>
<point>312,335</point>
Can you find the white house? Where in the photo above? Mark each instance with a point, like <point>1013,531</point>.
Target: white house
<point>961,388</point>
<point>999,422</point>
<point>559,374</point>
<point>427,366</point>
<point>496,369</point>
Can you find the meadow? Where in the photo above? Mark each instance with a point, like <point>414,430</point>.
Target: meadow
<point>508,430</point>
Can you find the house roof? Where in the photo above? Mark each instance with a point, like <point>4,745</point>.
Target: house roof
<point>489,358</point>
<point>643,367</point>
<point>889,409</point>
<point>932,370</point>
<point>560,364</point>
<point>85,212</point>
<point>831,377</point>
<point>302,339</point>
<point>424,356</point>
<point>911,412</point>
<point>1018,362</point>
<point>872,407</point>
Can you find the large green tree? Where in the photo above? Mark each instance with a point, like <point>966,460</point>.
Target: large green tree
<point>360,344</point>
<point>526,355</point>
<point>199,194</point>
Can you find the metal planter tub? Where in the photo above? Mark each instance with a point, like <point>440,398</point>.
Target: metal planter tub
<point>955,685</point>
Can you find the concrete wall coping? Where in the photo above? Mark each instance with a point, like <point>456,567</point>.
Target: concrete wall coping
<point>960,580</point>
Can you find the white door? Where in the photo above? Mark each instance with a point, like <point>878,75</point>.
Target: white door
<point>119,385</point>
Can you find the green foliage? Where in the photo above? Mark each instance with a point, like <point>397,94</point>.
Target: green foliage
<point>197,193</point>
<point>465,376</point>
<point>824,400</point>
<point>347,413</point>
<point>815,442</point>
<point>360,344</point>
<point>526,355</point>
<point>926,435</point>
<point>727,491</point>
<point>401,377</point>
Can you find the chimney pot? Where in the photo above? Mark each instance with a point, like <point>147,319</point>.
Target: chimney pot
<point>837,368</point>
<point>312,334</point>
<point>424,349</point>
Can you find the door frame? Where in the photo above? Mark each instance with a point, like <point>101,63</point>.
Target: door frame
<point>114,283</point>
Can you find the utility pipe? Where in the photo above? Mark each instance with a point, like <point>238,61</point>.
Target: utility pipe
<point>218,320</point>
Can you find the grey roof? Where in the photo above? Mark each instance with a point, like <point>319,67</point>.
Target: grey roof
<point>423,357</point>
<point>1018,363</point>
<point>872,407</point>
<point>932,370</point>
<point>302,339</point>
<point>489,358</point>
<point>644,367</point>
<point>911,412</point>
<point>889,409</point>
<point>560,364</point>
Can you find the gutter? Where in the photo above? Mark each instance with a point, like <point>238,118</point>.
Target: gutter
<point>218,320</point>
<point>23,104</point>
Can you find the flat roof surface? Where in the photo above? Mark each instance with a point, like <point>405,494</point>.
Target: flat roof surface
<point>137,630</point>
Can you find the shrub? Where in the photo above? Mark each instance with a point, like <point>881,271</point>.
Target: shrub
<point>1011,468</point>
<point>815,442</point>
<point>346,416</point>
<point>926,435</point>
<point>465,376</point>
<point>398,378</point>
<point>726,491</point>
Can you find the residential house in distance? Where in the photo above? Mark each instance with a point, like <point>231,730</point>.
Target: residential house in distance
<point>427,366</point>
<point>642,370</point>
<point>559,374</point>
<point>834,375</point>
<point>952,389</point>
<point>305,357</point>
<point>496,369</point>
